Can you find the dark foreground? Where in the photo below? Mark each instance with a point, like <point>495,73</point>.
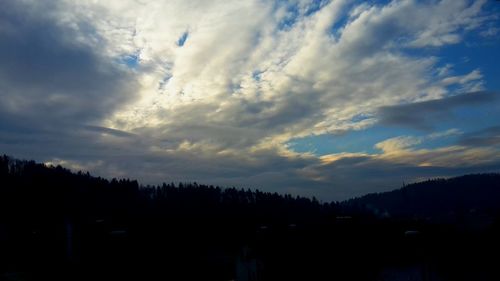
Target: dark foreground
<point>58,225</point>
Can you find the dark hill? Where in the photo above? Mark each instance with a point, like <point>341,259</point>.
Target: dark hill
<point>57,224</point>
<point>471,198</point>
<point>54,222</point>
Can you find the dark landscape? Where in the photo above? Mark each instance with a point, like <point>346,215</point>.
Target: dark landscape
<point>58,224</point>
<point>254,140</point>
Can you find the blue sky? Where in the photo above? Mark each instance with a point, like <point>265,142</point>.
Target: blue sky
<point>464,119</point>
<point>476,52</point>
<point>321,98</point>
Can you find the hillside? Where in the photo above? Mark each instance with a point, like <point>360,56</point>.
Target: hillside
<point>466,199</point>
<point>58,224</point>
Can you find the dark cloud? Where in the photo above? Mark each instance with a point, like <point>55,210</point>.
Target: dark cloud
<point>486,137</point>
<point>45,73</point>
<point>55,87</point>
<point>423,115</point>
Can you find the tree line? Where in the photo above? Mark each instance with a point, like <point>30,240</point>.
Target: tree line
<point>55,223</point>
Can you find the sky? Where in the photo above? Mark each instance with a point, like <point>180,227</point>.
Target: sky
<point>332,99</point>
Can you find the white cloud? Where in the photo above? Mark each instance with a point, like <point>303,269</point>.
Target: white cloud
<point>492,31</point>
<point>397,144</point>
<point>228,41</point>
<point>406,143</point>
<point>243,83</point>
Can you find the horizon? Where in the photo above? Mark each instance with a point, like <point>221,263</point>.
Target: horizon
<point>253,189</point>
<point>331,99</point>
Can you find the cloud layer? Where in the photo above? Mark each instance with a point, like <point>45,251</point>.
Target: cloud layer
<point>214,90</point>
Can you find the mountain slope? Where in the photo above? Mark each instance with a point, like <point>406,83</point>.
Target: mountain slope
<point>441,200</point>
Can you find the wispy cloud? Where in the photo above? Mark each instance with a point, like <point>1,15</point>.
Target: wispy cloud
<point>213,90</point>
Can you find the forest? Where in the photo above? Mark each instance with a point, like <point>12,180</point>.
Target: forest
<point>60,224</point>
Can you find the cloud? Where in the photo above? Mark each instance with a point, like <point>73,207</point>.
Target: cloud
<point>490,32</point>
<point>47,75</point>
<point>483,138</point>
<point>109,131</point>
<point>378,173</point>
<point>402,160</point>
<point>213,90</point>
<point>423,115</point>
<point>299,91</point>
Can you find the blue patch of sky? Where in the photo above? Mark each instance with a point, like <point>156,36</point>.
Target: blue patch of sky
<point>474,52</point>
<point>339,25</point>
<point>182,40</point>
<point>467,119</point>
<point>291,17</point>
<point>294,12</point>
<point>472,118</point>
<point>362,141</point>
<point>315,6</point>
<point>132,60</point>
<point>481,53</point>
<point>256,75</point>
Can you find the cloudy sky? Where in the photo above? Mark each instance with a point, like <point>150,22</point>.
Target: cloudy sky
<point>313,97</point>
